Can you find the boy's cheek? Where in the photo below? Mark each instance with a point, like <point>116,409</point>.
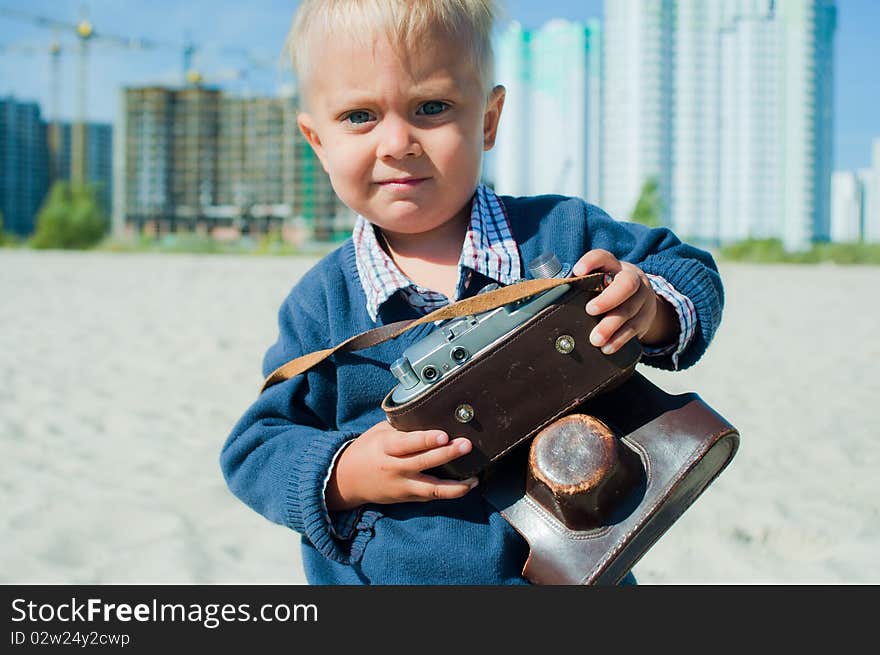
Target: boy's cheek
<point>339,166</point>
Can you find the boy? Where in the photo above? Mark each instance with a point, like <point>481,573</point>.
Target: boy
<point>399,106</point>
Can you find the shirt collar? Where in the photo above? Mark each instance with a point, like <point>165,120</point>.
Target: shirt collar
<point>488,249</point>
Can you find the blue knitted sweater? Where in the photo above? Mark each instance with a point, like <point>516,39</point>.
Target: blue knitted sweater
<point>277,457</point>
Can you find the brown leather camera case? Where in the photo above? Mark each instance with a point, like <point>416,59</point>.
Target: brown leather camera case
<point>667,450</point>
<point>537,373</point>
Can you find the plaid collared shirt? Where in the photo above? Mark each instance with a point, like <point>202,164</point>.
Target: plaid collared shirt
<point>488,249</point>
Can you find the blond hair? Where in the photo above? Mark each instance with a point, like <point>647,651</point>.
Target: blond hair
<point>404,22</point>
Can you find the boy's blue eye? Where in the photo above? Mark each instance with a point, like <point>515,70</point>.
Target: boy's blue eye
<point>432,108</point>
<point>358,117</point>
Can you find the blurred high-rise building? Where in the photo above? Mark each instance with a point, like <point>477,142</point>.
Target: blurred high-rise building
<point>268,170</point>
<point>750,115</point>
<point>871,187</point>
<point>197,159</point>
<point>775,121</point>
<point>728,105</point>
<point>808,58</point>
<point>637,103</point>
<point>98,159</point>
<point>194,130</point>
<point>846,207</point>
<point>24,164</point>
<point>142,158</point>
<point>548,140</point>
<point>250,156</point>
<point>692,198</point>
<point>855,202</point>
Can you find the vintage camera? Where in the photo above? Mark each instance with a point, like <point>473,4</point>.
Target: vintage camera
<point>458,340</point>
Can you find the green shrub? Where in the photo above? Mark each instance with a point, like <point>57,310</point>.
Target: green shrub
<point>70,218</point>
<point>771,251</point>
<point>649,208</point>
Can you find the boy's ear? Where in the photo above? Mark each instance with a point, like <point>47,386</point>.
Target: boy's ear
<point>306,125</point>
<point>492,116</point>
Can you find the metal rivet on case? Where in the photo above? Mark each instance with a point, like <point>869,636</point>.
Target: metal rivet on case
<point>565,344</point>
<point>464,413</point>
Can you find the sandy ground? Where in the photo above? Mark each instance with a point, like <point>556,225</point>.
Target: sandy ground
<point>121,375</point>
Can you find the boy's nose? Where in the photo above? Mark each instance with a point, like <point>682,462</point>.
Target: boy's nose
<point>397,140</point>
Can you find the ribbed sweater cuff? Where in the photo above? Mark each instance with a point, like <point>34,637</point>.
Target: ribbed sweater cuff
<point>304,500</point>
<point>702,286</point>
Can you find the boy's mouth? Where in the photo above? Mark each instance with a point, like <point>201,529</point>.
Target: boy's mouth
<point>402,182</point>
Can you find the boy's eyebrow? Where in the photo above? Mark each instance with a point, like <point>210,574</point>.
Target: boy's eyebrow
<point>433,89</point>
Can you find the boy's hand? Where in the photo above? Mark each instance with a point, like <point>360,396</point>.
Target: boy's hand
<point>629,303</point>
<point>385,465</point>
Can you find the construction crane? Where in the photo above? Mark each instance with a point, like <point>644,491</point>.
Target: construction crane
<point>85,34</point>
<point>192,76</point>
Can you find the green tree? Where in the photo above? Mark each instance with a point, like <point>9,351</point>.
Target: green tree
<point>70,218</point>
<point>649,208</point>
<point>2,235</point>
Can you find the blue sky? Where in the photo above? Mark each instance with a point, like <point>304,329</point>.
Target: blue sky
<point>259,26</point>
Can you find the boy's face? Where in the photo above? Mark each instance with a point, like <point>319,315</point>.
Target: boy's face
<point>402,142</point>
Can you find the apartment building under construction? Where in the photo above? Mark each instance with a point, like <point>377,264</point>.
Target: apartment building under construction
<point>197,159</point>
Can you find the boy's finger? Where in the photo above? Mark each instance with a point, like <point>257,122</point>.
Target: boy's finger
<point>614,320</point>
<point>619,338</point>
<point>416,442</point>
<point>624,286</point>
<point>428,487</point>
<point>596,260</point>
<point>435,457</point>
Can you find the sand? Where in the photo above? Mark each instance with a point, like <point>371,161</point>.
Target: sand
<point>122,374</point>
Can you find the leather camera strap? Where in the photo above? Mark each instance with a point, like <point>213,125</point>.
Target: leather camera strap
<point>474,305</point>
